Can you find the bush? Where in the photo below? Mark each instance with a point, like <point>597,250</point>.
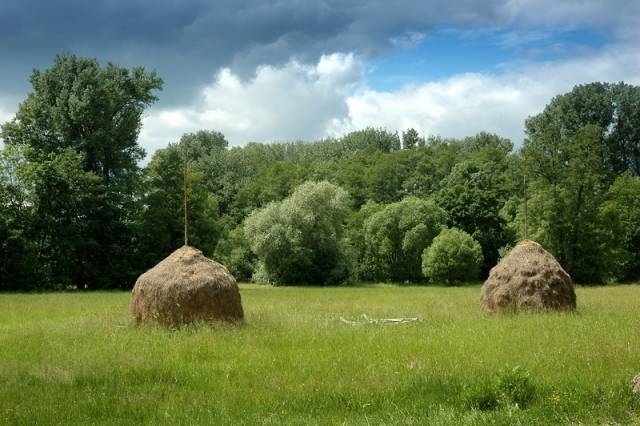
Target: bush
<point>453,256</point>
<point>233,251</point>
<point>396,235</point>
<point>297,240</point>
<point>512,387</point>
<point>260,275</point>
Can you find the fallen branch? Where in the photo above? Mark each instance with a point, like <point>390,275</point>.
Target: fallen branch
<point>369,320</point>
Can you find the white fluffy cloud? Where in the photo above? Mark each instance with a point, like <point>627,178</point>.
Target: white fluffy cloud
<point>300,101</point>
<point>6,113</point>
<point>279,103</point>
<point>468,103</point>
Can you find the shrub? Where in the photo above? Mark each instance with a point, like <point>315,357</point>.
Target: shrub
<point>512,387</point>
<point>396,235</point>
<point>297,240</point>
<point>453,256</point>
<point>260,275</point>
<point>234,252</point>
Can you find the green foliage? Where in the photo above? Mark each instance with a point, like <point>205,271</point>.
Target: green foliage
<point>54,212</point>
<point>70,187</point>
<point>473,195</point>
<point>486,147</point>
<point>379,138</point>
<point>354,241</point>
<point>203,144</point>
<point>298,239</point>
<point>514,387</point>
<point>235,253</point>
<point>18,255</point>
<point>511,388</point>
<point>395,237</point>
<point>272,183</point>
<point>622,207</point>
<point>504,251</point>
<point>612,108</point>
<point>81,122</point>
<point>162,221</point>
<point>95,110</point>
<point>453,257</point>
<point>385,177</point>
<point>565,200</point>
<point>576,147</point>
<point>411,139</point>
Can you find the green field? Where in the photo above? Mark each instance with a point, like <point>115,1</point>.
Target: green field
<point>77,358</point>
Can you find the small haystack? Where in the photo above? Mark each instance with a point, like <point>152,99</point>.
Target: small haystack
<point>186,287</point>
<point>528,278</point>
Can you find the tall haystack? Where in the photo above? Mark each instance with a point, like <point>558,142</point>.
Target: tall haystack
<point>186,287</point>
<point>529,278</point>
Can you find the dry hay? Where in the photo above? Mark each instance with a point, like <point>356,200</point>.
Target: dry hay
<point>635,384</point>
<point>186,287</point>
<point>528,278</point>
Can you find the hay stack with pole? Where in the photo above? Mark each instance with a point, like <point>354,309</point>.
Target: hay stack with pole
<point>528,279</point>
<point>186,287</point>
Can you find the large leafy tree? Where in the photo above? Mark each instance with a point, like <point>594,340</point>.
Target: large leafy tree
<point>574,150</point>
<point>565,200</point>
<point>96,110</point>
<point>453,257</point>
<point>411,138</point>
<point>297,240</point>
<point>273,183</point>
<point>473,195</point>
<point>18,263</point>
<point>67,206</point>
<point>613,108</point>
<point>622,207</point>
<point>78,106</point>
<point>47,208</point>
<point>202,144</point>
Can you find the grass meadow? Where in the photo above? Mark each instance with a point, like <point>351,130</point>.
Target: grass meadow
<point>77,358</point>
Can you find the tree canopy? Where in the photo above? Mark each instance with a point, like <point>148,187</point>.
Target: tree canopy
<point>78,210</point>
<point>298,239</point>
<point>81,123</point>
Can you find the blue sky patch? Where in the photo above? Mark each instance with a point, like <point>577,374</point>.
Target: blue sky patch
<point>447,51</point>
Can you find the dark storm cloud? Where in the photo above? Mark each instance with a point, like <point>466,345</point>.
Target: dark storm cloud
<point>187,41</point>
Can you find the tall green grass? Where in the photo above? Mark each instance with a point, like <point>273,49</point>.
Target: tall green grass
<point>77,358</point>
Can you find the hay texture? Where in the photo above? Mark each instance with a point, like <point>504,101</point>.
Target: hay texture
<point>635,384</point>
<point>184,288</point>
<point>528,279</point>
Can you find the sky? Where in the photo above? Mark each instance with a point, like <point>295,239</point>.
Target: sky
<point>289,70</point>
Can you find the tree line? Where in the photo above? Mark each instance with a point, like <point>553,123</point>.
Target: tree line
<point>78,211</point>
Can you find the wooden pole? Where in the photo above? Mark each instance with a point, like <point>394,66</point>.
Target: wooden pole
<point>186,216</point>
<point>526,218</point>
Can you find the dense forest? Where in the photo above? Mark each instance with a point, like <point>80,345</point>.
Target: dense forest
<point>78,211</point>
